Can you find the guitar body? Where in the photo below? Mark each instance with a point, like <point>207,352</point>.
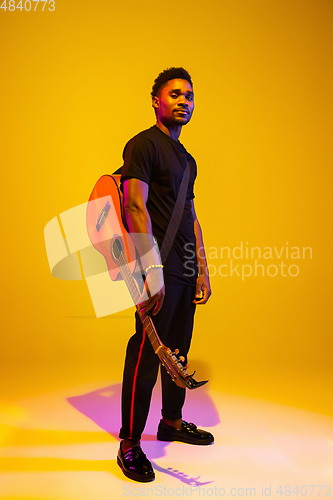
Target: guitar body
<point>105,196</point>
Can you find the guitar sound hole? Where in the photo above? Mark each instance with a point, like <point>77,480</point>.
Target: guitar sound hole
<point>116,249</point>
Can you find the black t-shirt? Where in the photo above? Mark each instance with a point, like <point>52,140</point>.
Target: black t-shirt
<point>153,157</point>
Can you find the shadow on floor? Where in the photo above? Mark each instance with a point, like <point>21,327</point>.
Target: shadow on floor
<point>103,407</point>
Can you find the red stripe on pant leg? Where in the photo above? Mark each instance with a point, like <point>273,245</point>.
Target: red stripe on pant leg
<point>134,382</point>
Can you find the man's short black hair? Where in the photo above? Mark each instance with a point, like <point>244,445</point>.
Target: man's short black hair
<point>170,74</point>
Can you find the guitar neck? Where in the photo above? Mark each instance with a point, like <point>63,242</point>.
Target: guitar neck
<point>135,294</point>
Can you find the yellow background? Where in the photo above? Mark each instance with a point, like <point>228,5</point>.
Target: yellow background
<point>75,86</point>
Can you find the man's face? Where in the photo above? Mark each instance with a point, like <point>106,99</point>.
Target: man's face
<point>175,103</point>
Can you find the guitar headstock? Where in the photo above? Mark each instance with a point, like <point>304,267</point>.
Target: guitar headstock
<point>176,370</point>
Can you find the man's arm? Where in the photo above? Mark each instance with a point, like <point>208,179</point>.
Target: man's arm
<point>139,224</point>
<point>202,291</point>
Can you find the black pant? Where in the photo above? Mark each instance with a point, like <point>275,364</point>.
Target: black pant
<point>174,325</point>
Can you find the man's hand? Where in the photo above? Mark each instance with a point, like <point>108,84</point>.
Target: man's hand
<point>202,290</point>
<point>154,287</point>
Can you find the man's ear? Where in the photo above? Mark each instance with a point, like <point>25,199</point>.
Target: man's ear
<point>155,102</point>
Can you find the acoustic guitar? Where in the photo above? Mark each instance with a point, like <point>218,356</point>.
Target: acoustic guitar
<point>107,233</point>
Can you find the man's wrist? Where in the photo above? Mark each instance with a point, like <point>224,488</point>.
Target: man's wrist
<point>203,270</point>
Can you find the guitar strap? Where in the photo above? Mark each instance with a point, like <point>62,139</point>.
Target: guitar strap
<point>176,214</point>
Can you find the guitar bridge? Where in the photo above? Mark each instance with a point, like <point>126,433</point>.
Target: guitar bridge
<point>103,215</point>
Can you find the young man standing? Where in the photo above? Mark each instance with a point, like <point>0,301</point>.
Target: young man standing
<point>154,164</point>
